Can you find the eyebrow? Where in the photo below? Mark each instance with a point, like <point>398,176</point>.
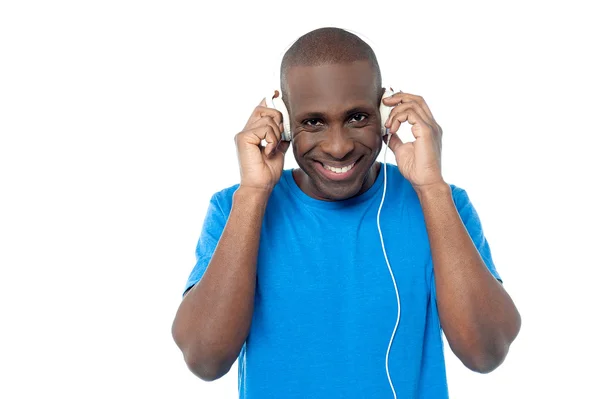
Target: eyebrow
<point>319,115</point>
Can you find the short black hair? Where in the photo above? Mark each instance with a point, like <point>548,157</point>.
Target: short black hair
<point>327,46</point>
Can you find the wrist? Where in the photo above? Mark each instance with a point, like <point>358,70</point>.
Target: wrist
<point>434,190</point>
<point>254,195</point>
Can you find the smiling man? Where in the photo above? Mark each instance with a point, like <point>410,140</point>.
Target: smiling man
<point>335,116</point>
<point>291,278</point>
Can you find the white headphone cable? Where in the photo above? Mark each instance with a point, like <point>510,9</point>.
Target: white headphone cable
<point>387,355</point>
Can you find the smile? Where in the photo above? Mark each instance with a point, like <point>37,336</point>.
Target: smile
<point>336,173</point>
<point>343,169</point>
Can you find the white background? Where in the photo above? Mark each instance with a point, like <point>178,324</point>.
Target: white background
<point>117,121</point>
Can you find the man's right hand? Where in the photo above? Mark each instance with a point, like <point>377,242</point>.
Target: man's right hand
<point>214,318</point>
<point>261,167</point>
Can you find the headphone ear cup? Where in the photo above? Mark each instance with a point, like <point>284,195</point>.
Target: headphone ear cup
<point>278,104</point>
<point>385,110</point>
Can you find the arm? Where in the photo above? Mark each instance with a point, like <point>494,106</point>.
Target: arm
<point>213,320</point>
<point>214,317</point>
<point>477,315</point>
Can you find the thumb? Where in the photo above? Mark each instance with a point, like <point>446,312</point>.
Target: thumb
<point>263,102</point>
<point>393,141</point>
<point>283,146</point>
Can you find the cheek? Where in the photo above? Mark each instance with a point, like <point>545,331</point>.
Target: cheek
<point>372,139</point>
<point>369,139</point>
<point>302,145</point>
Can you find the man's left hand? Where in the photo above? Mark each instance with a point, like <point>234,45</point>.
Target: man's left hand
<point>419,161</point>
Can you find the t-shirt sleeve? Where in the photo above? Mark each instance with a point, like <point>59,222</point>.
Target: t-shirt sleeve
<point>470,219</point>
<point>212,228</point>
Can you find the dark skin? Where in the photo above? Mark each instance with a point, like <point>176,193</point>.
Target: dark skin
<point>335,120</point>
<point>477,315</point>
<point>334,111</point>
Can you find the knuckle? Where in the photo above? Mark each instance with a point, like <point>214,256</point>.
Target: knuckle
<point>258,111</point>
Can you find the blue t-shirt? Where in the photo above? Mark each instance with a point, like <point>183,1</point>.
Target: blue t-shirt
<point>325,305</point>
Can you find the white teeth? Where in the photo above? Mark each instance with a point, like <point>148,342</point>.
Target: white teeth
<point>339,170</point>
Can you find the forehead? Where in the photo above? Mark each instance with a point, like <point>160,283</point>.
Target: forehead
<point>319,88</point>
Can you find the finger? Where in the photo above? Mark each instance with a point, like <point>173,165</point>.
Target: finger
<point>255,135</point>
<point>413,118</point>
<point>266,133</point>
<point>267,120</point>
<point>421,101</point>
<point>401,97</point>
<point>261,111</point>
<point>283,146</point>
<point>272,142</point>
<point>394,99</point>
<point>402,108</point>
<point>394,142</point>
<point>273,113</point>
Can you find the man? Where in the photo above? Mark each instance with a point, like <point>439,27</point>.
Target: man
<point>290,276</point>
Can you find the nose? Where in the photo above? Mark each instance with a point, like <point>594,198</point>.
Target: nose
<point>337,143</point>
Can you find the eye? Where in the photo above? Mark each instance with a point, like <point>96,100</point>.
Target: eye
<point>358,118</point>
<point>312,122</point>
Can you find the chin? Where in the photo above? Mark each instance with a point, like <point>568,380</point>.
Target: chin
<point>345,191</point>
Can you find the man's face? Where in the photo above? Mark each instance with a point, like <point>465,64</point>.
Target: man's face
<point>335,122</point>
